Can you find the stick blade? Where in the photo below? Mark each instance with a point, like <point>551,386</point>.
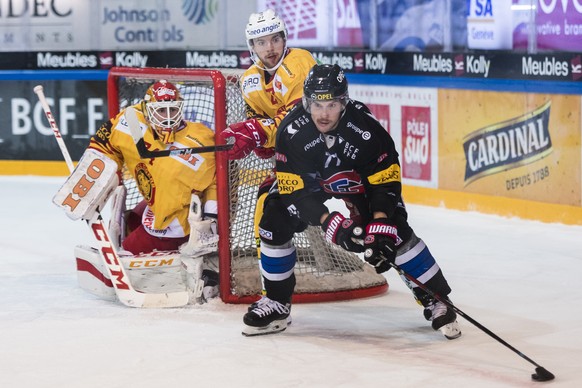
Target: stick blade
<point>542,374</point>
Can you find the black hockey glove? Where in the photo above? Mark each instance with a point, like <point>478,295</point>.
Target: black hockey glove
<point>380,244</point>
<point>343,232</point>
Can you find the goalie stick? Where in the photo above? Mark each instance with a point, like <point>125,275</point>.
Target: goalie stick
<point>144,153</point>
<point>542,374</point>
<point>118,275</point>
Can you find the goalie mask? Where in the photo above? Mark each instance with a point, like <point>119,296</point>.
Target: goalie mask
<point>325,83</point>
<point>264,24</point>
<point>164,110</point>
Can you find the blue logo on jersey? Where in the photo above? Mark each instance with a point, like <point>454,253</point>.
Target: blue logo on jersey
<point>200,11</point>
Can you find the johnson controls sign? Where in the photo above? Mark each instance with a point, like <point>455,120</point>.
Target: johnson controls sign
<point>149,25</point>
<point>125,24</point>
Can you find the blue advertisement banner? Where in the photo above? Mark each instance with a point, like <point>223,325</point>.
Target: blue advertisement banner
<point>78,106</point>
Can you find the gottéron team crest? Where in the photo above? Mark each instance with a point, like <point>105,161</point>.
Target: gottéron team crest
<point>507,145</point>
<point>145,183</point>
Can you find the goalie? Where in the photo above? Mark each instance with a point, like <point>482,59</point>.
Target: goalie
<point>179,206</point>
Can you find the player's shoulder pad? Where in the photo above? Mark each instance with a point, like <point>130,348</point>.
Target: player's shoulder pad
<point>369,117</point>
<point>200,133</point>
<point>300,53</point>
<point>360,106</point>
<point>362,123</point>
<point>298,62</point>
<point>103,134</point>
<point>119,122</point>
<point>295,119</point>
<point>250,81</point>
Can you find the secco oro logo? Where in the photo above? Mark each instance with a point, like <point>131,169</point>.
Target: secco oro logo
<point>200,11</point>
<point>391,174</point>
<point>288,182</point>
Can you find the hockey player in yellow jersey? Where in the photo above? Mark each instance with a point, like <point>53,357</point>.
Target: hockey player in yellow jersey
<point>270,87</point>
<point>160,221</point>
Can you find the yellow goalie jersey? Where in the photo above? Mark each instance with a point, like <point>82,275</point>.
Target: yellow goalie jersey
<point>166,183</point>
<point>271,99</point>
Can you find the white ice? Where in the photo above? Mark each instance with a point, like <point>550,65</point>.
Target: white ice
<point>520,279</point>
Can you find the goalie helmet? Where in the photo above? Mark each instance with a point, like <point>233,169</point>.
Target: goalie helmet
<point>263,24</point>
<point>325,83</point>
<point>164,110</point>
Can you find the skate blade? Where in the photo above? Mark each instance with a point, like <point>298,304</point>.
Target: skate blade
<point>271,328</point>
<point>451,330</point>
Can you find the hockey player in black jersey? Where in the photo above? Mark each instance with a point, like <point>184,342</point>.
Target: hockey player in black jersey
<point>332,147</point>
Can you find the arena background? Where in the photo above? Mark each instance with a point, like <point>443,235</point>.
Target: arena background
<point>485,109</point>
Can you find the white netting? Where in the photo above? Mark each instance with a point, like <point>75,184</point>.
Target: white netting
<point>321,268</point>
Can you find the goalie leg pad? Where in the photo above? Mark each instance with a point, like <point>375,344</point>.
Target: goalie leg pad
<point>202,282</point>
<point>193,268</point>
<point>117,222</point>
<point>92,275</point>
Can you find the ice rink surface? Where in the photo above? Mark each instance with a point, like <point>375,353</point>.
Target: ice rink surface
<point>520,279</point>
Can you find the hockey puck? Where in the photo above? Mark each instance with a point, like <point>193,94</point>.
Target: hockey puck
<point>542,374</point>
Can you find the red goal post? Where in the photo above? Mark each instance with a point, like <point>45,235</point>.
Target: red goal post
<point>324,272</point>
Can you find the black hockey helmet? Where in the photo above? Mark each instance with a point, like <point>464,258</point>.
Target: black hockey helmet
<point>325,83</point>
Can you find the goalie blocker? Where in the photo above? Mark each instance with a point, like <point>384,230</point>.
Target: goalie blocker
<point>88,187</point>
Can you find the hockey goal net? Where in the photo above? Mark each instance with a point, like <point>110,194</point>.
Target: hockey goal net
<point>324,271</point>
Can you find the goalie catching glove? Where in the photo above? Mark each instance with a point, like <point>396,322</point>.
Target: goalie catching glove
<point>380,244</point>
<point>343,232</point>
<point>247,135</point>
<point>203,237</point>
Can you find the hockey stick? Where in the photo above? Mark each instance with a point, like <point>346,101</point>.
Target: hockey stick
<point>542,374</point>
<point>144,153</point>
<point>118,275</point>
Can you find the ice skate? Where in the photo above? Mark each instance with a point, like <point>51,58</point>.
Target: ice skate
<point>443,319</point>
<point>266,316</point>
<point>264,300</point>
